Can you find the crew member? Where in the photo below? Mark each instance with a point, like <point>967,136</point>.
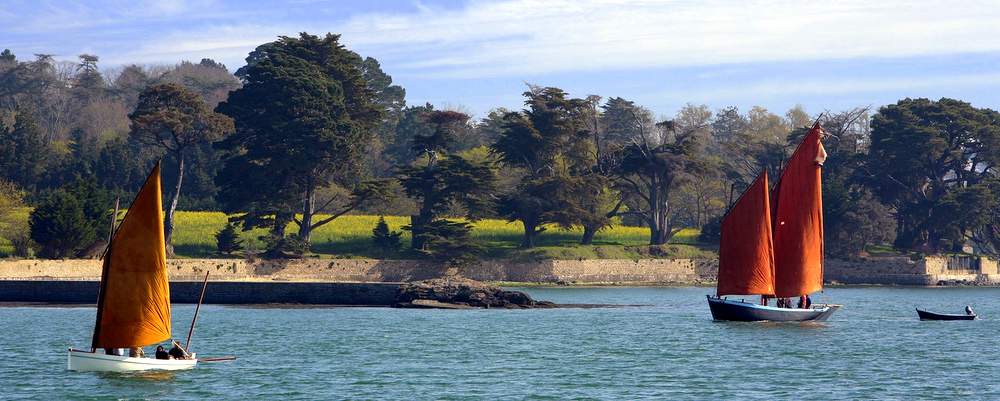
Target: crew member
<point>161,353</point>
<point>177,352</point>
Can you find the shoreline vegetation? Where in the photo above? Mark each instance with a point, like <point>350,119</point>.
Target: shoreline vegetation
<point>350,237</point>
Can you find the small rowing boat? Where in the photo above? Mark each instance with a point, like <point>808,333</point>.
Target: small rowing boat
<point>928,315</point>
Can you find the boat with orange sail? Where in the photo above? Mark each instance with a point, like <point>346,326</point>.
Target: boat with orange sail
<point>775,249</point>
<point>133,307</point>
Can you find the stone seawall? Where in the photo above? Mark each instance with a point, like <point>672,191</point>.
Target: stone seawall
<point>931,270</point>
<point>680,271</point>
<point>901,270</point>
<point>224,292</point>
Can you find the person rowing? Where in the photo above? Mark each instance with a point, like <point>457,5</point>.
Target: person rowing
<point>177,352</point>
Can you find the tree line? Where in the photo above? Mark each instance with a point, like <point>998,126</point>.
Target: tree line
<point>308,131</point>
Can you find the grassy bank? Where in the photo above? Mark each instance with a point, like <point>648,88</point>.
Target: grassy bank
<point>350,237</point>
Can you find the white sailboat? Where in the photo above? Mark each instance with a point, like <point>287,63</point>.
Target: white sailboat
<point>133,308</point>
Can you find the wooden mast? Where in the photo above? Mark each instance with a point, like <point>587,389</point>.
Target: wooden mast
<point>104,275</point>
<point>204,285</point>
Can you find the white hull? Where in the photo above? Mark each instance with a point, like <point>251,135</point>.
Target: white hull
<point>98,362</point>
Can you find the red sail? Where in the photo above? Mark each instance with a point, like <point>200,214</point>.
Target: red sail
<point>798,220</point>
<point>746,258</point>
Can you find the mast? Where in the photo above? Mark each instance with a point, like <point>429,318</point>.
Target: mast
<point>204,286</point>
<point>104,276</point>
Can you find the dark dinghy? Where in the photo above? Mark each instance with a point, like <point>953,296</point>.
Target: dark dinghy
<point>925,315</point>
<point>741,311</point>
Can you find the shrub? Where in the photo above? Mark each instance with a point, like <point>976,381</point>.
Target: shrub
<point>386,241</point>
<point>289,246</point>
<point>228,240</point>
<point>60,227</point>
<point>449,242</point>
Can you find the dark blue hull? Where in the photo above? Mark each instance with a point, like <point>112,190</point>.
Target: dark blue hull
<point>740,311</point>
<point>927,315</point>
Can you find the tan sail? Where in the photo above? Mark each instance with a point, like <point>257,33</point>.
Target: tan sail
<point>134,305</point>
<point>798,220</point>
<point>746,257</point>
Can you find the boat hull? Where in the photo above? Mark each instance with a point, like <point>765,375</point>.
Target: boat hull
<point>927,315</point>
<point>739,311</point>
<point>84,361</point>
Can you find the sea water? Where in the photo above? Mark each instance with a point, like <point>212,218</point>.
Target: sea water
<point>666,348</point>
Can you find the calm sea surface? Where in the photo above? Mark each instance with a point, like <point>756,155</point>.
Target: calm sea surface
<point>874,348</point>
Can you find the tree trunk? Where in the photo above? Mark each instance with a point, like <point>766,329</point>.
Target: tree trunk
<point>530,232</point>
<point>528,241</point>
<point>168,224</point>
<point>308,211</point>
<point>417,223</point>
<point>588,235</point>
<point>659,236</point>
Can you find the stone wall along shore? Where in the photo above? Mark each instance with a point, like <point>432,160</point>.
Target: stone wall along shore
<point>901,270</point>
<point>679,271</point>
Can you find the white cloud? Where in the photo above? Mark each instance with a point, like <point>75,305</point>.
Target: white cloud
<point>905,86</point>
<point>519,37</point>
<point>525,36</point>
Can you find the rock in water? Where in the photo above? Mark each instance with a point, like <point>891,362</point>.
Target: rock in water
<point>456,293</point>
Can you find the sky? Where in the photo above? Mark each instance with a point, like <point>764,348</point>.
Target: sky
<point>476,55</point>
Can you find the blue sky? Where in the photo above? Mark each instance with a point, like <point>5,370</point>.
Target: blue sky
<point>475,55</point>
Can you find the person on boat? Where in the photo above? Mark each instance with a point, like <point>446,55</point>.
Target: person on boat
<point>161,353</point>
<point>809,302</point>
<point>968,310</point>
<point>802,302</point>
<point>136,352</point>
<point>177,352</point>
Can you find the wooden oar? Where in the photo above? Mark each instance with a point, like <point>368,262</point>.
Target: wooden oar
<point>218,359</point>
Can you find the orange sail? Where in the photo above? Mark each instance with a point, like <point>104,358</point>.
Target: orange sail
<point>133,309</point>
<point>746,258</point>
<point>798,220</point>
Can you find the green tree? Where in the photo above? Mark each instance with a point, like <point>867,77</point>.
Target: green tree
<point>549,143</point>
<point>392,99</point>
<point>658,161</point>
<point>304,117</point>
<point>174,119</point>
<point>449,242</point>
<point>385,240</point>
<point>24,152</point>
<point>442,181</point>
<point>228,240</point>
<point>13,227</point>
<point>70,219</point>
<point>934,161</point>
<point>412,123</point>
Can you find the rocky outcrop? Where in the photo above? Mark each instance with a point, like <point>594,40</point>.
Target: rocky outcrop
<point>460,293</point>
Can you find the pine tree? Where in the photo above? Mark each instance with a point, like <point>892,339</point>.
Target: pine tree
<point>60,227</point>
<point>70,219</point>
<point>386,241</point>
<point>228,240</point>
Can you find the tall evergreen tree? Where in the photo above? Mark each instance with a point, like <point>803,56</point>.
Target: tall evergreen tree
<point>304,117</point>
<point>544,141</point>
<point>24,152</point>
<point>442,181</point>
